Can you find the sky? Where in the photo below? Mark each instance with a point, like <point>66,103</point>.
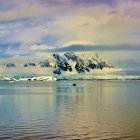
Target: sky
<point>32,29</point>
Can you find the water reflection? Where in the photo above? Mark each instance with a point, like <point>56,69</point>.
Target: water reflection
<point>91,110</point>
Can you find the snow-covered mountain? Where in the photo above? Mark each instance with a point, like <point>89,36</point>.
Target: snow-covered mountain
<point>63,63</point>
<point>62,67</point>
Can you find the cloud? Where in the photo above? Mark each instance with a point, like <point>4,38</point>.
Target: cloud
<point>41,47</point>
<point>100,27</point>
<point>78,42</point>
<point>15,10</point>
<point>80,2</point>
<point>23,11</point>
<point>29,70</point>
<point>4,5</point>
<point>6,45</point>
<point>96,2</point>
<point>81,23</point>
<point>94,47</point>
<point>30,35</point>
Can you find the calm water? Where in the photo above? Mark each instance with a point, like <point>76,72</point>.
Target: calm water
<point>58,111</point>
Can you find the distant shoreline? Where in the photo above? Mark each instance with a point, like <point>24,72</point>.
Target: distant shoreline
<point>70,78</point>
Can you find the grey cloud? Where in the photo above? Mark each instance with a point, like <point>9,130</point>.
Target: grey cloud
<point>5,5</point>
<point>97,47</point>
<point>80,2</point>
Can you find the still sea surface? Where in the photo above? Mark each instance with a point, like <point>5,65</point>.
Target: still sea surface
<point>92,110</point>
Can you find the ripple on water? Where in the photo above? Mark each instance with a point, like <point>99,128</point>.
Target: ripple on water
<point>103,110</point>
